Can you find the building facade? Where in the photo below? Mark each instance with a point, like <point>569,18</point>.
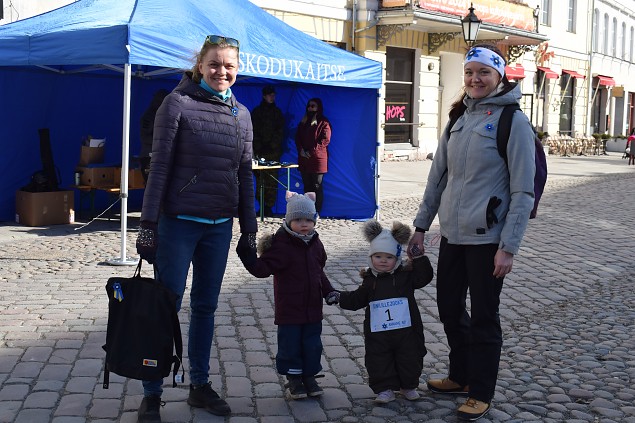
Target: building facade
<point>572,65</point>
<point>612,63</point>
<point>15,10</point>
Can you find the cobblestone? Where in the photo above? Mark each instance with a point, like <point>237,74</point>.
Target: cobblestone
<point>567,311</point>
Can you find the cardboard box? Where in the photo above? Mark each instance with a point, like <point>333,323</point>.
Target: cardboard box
<point>135,179</point>
<point>96,176</point>
<point>90,155</point>
<point>44,208</point>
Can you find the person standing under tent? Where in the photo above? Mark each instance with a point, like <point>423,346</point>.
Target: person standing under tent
<point>268,123</point>
<point>146,130</point>
<point>312,140</point>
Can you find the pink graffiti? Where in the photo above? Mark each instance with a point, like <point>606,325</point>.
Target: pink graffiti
<point>394,112</point>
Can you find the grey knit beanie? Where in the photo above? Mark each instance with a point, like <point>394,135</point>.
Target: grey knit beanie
<point>300,206</point>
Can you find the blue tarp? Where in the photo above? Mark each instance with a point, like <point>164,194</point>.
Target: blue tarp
<point>62,70</point>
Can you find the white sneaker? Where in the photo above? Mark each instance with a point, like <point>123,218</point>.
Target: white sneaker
<point>410,394</point>
<point>385,397</point>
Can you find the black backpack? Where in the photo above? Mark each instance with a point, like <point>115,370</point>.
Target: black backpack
<point>143,336</point>
<point>502,138</point>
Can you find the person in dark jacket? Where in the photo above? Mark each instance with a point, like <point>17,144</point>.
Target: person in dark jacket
<point>312,139</point>
<point>200,179</point>
<point>147,130</point>
<point>268,122</point>
<point>295,257</point>
<point>393,330</point>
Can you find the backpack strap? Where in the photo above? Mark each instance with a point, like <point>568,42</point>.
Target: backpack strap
<point>505,128</point>
<point>178,344</point>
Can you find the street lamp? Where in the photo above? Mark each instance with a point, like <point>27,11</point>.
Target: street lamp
<point>471,23</point>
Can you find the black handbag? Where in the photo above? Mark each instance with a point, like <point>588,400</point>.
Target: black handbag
<point>143,330</point>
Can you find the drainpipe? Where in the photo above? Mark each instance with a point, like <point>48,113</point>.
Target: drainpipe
<point>589,76</point>
<point>354,23</point>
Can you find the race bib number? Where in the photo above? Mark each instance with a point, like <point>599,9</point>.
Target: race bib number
<point>389,314</point>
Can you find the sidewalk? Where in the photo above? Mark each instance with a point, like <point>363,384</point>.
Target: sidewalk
<point>567,313</point>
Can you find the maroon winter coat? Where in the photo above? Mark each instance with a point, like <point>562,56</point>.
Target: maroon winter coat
<point>314,138</point>
<point>299,282</point>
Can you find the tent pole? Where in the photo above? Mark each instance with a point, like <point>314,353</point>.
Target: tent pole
<point>123,260</point>
<point>377,161</point>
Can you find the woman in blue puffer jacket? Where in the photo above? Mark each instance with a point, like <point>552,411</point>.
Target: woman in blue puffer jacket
<point>200,179</point>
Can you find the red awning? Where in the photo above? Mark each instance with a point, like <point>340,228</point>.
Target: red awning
<point>549,74</point>
<point>606,80</point>
<point>573,74</point>
<point>517,72</point>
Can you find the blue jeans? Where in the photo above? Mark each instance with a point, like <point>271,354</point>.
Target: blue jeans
<point>299,349</point>
<point>206,247</point>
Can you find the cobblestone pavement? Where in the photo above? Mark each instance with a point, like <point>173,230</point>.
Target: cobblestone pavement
<point>568,312</point>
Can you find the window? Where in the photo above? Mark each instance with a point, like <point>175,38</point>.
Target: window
<point>605,40</point>
<point>541,85</point>
<point>571,17</point>
<point>545,12</point>
<point>614,38</point>
<point>399,95</point>
<point>566,104</point>
<point>596,30</point>
<point>623,42</point>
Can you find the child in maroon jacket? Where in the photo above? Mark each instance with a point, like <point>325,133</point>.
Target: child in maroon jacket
<point>295,256</point>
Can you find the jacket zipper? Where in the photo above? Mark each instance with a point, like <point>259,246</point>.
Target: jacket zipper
<point>192,181</point>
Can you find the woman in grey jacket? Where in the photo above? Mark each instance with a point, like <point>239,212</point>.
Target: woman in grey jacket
<point>483,206</point>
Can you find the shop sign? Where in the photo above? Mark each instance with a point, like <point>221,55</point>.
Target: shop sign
<point>491,11</point>
<point>397,112</point>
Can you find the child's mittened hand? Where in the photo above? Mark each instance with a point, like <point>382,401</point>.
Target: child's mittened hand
<point>333,298</point>
<point>415,251</point>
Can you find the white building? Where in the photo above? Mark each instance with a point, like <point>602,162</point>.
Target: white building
<point>612,64</point>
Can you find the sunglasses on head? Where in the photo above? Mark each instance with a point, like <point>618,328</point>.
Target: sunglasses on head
<point>217,39</point>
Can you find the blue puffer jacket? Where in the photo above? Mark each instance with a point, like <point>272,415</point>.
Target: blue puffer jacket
<point>201,158</point>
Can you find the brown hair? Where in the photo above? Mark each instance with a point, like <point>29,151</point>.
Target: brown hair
<point>458,107</point>
<point>196,75</point>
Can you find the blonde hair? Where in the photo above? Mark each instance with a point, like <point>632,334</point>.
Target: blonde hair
<point>198,58</point>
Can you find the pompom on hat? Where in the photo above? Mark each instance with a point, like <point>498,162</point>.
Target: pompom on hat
<point>385,240</point>
<point>300,206</point>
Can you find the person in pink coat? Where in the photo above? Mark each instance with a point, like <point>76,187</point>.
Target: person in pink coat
<point>312,139</point>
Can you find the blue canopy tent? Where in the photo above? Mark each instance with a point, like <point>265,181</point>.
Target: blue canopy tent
<point>91,68</point>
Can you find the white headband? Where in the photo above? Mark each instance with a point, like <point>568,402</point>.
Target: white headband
<point>486,57</point>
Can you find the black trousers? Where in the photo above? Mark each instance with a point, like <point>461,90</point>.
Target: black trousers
<point>475,339</point>
<point>313,183</point>
<point>270,188</point>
